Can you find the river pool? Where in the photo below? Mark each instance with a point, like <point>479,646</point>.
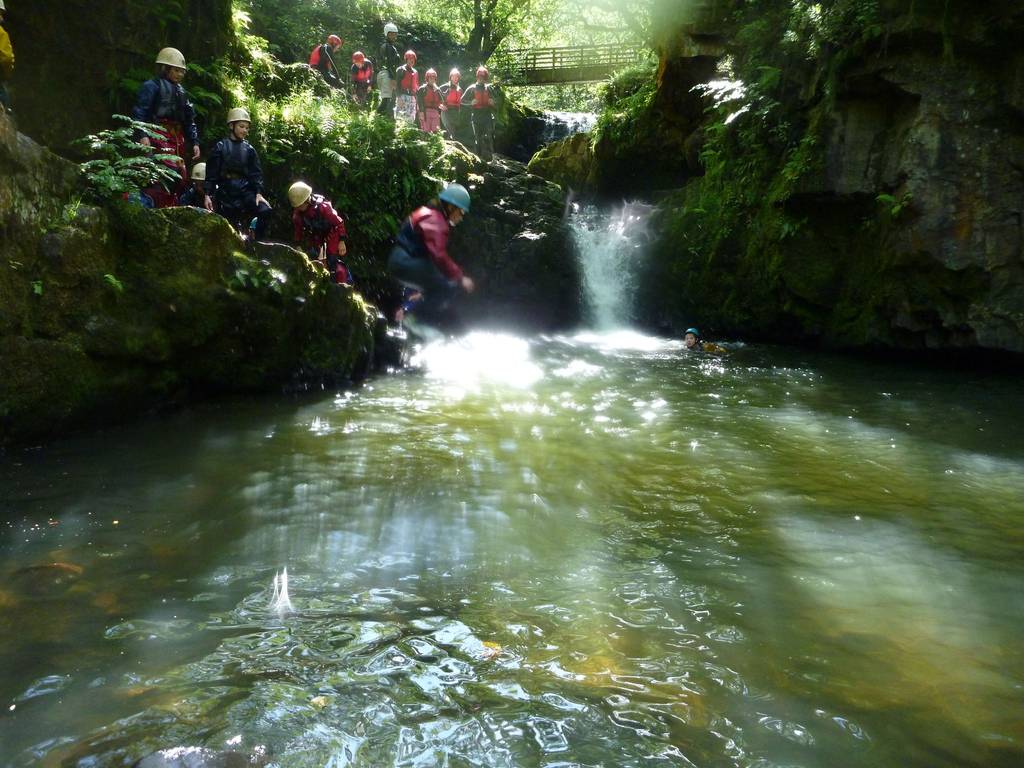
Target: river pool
<point>589,550</point>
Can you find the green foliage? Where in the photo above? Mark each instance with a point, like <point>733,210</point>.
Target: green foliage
<point>628,82</point>
<point>895,206</point>
<point>37,287</point>
<point>622,117</point>
<point>114,283</point>
<point>124,165</point>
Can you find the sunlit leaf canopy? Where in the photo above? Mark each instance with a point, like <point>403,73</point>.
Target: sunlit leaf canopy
<point>484,25</point>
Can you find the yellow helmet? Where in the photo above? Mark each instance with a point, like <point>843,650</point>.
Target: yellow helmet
<point>199,172</point>
<point>298,193</point>
<point>172,57</point>
<point>237,114</point>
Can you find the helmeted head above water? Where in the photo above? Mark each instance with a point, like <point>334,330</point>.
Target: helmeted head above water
<point>691,337</point>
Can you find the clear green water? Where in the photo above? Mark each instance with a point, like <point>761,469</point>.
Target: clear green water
<point>580,551</point>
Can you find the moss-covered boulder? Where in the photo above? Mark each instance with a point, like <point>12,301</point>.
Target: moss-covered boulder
<point>108,312</point>
<point>568,162</point>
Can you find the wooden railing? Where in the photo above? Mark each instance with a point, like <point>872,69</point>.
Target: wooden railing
<point>543,66</point>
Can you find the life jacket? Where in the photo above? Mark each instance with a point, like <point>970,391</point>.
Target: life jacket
<point>168,102</point>
<point>409,79</point>
<point>362,75</point>
<point>408,238</point>
<point>452,95</point>
<point>389,58</point>
<point>320,58</point>
<point>482,97</point>
<point>236,159</point>
<point>316,224</point>
<point>431,97</point>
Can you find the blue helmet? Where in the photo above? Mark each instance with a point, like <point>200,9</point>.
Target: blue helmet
<point>694,331</point>
<point>456,194</point>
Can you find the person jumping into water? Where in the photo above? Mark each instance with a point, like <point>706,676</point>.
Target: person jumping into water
<point>420,257</point>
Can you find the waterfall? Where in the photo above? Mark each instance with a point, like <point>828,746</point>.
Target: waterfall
<point>610,247</point>
<point>559,125</point>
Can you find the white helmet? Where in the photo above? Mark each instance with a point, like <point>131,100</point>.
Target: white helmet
<point>238,113</point>
<point>198,170</point>
<point>389,27</point>
<point>298,193</point>
<point>172,57</point>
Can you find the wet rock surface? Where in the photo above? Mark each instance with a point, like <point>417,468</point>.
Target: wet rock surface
<point>517,245</point>
<point>903,229</point>
<point>108,312</point>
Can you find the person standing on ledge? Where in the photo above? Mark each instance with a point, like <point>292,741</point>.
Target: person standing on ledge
<point>163,101</point>
<point>234,179</point>
<point>361,76</point>
<point>483,99</point>
<point>388,60</point>
<point>451,103</point>
<point>408,83</point>
<point>6,62</point>
<point>420,257</point>
<point>428,104</point>
<point>322,61</point>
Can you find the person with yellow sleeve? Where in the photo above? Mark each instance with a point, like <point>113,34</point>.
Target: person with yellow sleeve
<point>6,62</point>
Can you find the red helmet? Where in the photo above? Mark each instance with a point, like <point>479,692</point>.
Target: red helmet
<point>481,71</point>
<point>410,56</point>
<point>431,73</point>
<point>358,57</point>
<point>333,40</point>
<point>454,75</point>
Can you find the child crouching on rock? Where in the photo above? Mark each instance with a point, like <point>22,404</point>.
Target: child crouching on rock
<point>320,230</point>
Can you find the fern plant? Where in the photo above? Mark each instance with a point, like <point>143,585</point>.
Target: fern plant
<point>123,165</point>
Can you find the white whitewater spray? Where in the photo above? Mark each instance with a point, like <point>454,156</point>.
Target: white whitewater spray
<point>610,247</point>
<point>280,601</point>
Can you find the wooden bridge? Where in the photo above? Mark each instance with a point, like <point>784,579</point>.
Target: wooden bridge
<point>555,66</point>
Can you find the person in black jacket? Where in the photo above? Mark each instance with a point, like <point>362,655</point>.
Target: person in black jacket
<point>388,60</point>
<point>234,179</point>
<point>164,102</point>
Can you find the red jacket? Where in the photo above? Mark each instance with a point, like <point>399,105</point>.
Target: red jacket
<point>408,80</point>
<point>319,224</point>
<point>428,97</point>
<point>429,229</point>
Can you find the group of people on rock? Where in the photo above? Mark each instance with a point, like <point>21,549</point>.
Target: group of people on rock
<point>230,183</point>
<point>404,96</point>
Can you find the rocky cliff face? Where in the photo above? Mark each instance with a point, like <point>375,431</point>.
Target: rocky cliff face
<point>71,54</point>
<point>517,245</point>
<point>862,188</point>
<point>109,312</point>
